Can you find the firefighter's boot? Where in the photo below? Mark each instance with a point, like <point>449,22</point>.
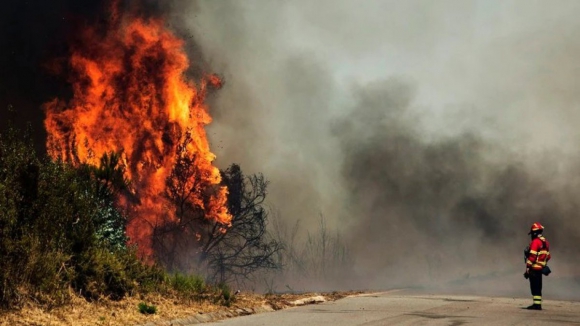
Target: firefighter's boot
<point>537,303</point>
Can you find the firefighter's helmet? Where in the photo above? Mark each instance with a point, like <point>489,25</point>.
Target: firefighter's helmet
<point>536,227</point>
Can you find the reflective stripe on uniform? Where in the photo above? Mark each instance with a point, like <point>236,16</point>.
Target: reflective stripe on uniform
<point>537,299</point>
<point>538,259</point>
<point>540,264</point>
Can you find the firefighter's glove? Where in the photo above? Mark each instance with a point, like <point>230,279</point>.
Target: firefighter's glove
<point>526,275</point>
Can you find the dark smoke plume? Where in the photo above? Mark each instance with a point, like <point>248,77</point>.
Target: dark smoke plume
<point>445,209</point>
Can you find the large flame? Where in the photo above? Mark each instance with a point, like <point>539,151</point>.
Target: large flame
<point>130,95</point>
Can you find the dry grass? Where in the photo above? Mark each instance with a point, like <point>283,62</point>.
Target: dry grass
<point>106,312</point>
<point>125,312</point>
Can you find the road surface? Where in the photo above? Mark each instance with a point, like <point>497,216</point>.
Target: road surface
<point>405,308</point>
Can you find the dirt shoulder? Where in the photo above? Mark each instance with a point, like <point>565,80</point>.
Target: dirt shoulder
<point>169,310</point>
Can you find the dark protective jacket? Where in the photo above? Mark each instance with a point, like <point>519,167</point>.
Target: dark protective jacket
<point>539,254</point>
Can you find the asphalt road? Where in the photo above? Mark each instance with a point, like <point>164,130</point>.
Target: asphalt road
<point>405,308</point>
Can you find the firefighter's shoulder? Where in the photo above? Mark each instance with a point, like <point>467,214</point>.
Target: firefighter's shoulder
<point>536,243</point>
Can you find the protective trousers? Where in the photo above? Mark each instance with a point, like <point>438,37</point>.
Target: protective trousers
<point>536,286</point>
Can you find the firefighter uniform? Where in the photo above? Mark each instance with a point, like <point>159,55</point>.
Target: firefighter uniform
<point>538,256</point>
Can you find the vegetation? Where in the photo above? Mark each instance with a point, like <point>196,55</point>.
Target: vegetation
<point>318,257</point>
<point>226,296</point>
<point>247,247</point>
<point>62,235</point>
<point>147,309</point>
<point>188,286</point>
<point>60,231</point>
<point>194,243</point>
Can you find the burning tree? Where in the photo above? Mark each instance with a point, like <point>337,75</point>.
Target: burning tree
<point>224,255</point>
<point>247,246</point>
<point>131,96</point>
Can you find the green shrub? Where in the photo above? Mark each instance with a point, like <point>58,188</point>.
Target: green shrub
<point>225,296</point>
<point>187,284</point>
<point>147,309</point>
<point>59,230</point>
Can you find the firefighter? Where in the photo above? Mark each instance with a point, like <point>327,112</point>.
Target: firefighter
<point>538,255</point>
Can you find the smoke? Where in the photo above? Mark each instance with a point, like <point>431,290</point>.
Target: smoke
<point>32,31</point>
<point>448,209</point>
<point>431,134</point>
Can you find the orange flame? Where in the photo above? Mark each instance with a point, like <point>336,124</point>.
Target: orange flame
<point>130,95</point>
